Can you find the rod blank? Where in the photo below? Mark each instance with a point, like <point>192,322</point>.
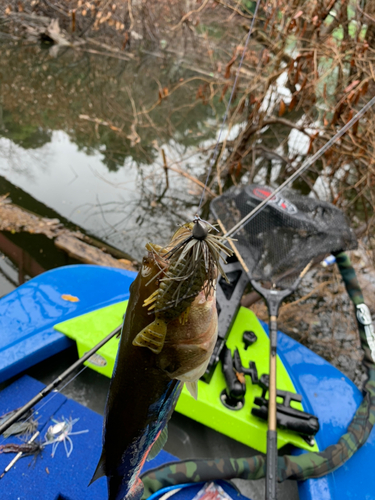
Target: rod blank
<point>42,394</point>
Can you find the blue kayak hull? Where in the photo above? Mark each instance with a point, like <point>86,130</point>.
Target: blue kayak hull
<point>60,477</point>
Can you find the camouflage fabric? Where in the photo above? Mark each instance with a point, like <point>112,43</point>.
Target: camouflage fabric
<point>365,326</point>
<point>193,471</point>
<point>349,277</point>
<point>305,466</point>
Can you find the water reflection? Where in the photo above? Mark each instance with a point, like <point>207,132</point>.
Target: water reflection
<point>8,275</point>
<point>84,135</point>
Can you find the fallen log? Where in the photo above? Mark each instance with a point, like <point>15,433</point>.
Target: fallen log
<point>89,254</point>
<point>76,244</point>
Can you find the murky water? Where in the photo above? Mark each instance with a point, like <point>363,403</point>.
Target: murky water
<point>82,138</point>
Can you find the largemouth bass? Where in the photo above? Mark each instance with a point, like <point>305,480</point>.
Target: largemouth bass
<point>192,259</point>
<point>147,382</point>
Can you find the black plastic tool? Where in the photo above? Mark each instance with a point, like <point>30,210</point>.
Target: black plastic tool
<point>251,371</point>
<point>228,301</point>
<point>249,338</point>
<point>233,396</point>
<point>286,416</point>
<point>290,418</point>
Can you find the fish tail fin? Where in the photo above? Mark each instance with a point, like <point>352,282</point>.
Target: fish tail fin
<point>117,489</point>
<point>99,471</point>
<point>152,336</point>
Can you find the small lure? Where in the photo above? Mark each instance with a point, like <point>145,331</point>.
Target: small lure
<point>189,264</point>
<point>25,448</point>
<point>24,425</point>
<point>21,450</point>
<point>60,432</point>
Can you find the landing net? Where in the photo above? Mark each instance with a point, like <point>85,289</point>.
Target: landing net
<point>278,242</point>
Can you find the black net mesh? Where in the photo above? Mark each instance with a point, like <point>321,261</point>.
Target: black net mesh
<point>282,238</point>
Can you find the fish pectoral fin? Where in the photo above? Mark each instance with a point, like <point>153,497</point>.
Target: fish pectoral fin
<point>192,387</point>
<point>158,445</point>
<point>153,336</point>
<point>99,471</point>
<point>184,316</point>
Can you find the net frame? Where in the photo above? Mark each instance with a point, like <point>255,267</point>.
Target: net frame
<point>279,241</point>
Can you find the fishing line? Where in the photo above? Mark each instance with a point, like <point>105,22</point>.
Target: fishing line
<point>305,165</point>
<point>216,149</point>
<point>55,392</point>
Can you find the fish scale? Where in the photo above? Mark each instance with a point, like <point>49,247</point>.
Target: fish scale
<point>145,385</point>
<point>192,266</point>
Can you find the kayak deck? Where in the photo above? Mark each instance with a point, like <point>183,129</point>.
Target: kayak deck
<point>29,313</point>
<point>327,393</point>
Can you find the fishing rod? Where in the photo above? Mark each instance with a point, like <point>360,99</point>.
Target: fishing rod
<point>305,165</point>
<point>42,394</point>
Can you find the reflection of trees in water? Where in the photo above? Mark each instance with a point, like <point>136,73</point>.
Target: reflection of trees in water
<point>103,105</point>
<point>42,94</point>
<point>146,211</point>
<point>25,135</point>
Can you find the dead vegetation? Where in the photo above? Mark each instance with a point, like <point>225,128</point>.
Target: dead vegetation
<point>320,314</point>
<point>309,67</point>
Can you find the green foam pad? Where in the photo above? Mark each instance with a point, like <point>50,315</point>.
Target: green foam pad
<point>241,425</point>
<point>89,329</point>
